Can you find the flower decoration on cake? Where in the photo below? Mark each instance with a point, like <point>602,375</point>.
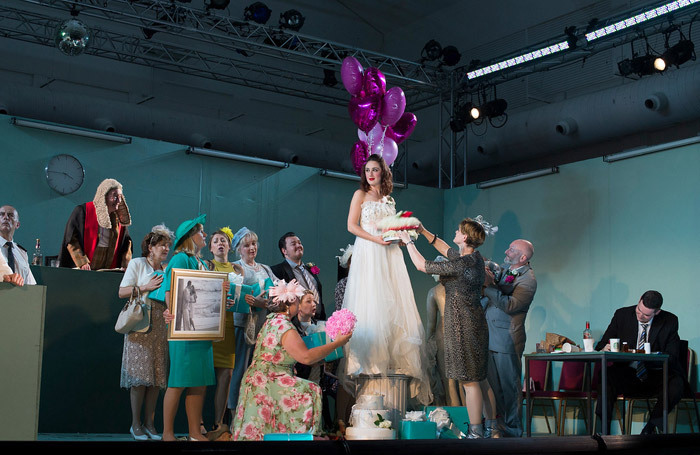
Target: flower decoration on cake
<point>341,322</point>
<point>381,422</point>
<point>402,221</point>
<point>286,292</point>
<point>313,268</point>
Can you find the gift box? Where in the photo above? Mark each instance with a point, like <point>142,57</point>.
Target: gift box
<point>418,430</point>
<point>458,415</point>
<point>237,293</point>
<point>288,437</point>
<point>319,339</point>
<point>157,294</point>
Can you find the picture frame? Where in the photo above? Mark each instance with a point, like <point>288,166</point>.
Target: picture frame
<point>198,303</point>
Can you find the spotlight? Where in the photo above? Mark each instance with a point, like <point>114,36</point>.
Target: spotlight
<point>494,108</point>
<point>450,56</point>
<point>463,116</point>
<point>431,51</point>
<point>329,79</point>
<point>258,12</point>
<point>217,4</point>
<point>641,66</point>
<point>292,19</point>
<point>677,55</point>
<point>72,37</point>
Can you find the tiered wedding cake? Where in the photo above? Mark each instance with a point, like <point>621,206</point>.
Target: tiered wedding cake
<point>368,419</point>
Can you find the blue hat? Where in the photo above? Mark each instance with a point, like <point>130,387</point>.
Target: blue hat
<point>185,227</point>
<point>238,236</point>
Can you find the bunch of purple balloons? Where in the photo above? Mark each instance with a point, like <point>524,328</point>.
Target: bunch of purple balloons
<point>378,113</point>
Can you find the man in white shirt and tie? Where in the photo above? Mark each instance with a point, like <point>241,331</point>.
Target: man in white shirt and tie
<point>14,254</point>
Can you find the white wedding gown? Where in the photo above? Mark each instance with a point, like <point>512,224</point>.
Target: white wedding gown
<point>389,335</point>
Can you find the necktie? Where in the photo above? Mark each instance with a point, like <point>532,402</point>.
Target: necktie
<point>10,257</point>
<point>641,369</point>
<point>311,285</point>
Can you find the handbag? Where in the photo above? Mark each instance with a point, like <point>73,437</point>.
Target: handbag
<point>135,316</point>
<point>250,324</point>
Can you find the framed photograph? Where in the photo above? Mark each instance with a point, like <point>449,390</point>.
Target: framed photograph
<point>198,302</point>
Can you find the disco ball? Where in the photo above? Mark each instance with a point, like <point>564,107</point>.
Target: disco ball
<point>72,37</point>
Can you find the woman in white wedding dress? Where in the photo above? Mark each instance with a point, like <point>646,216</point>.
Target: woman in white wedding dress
<point>389,335</point>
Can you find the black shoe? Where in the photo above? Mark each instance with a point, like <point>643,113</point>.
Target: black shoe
<point>649,428</point>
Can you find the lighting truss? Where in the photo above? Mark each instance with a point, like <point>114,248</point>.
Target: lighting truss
<point>212,45</point>
<point>639,18</point>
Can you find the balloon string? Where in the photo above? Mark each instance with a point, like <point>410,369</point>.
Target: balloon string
<point>381,141</point>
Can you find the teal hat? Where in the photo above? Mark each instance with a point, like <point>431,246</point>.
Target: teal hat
<point>185,227</point>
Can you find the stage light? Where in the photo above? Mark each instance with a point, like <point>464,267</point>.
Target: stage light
<point>677,55</point>
<point>75,131</point>
<point>292,19</point>
<point>329,79</point>
<point>431,51</point>
<point>474,113</point>
<point>494,108</point>
<point>517,178</point>
<point>641,66</point>
<point>518,60</point>
<point>462,116</point>
<point>258,12</point>
<point>450,56</point>
<point>218,4</point>
<point>72,37</point>
<point>639,18</point>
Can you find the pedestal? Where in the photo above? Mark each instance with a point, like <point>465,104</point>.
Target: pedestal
<point>394,387</point>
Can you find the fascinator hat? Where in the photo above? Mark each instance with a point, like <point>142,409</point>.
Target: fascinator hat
<point>185,227</point>
<point>238,236</point>
<point>345,257</point>
<point>284,293</point>
<point>489,229</point>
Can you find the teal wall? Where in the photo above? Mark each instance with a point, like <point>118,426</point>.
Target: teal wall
<point>603,233</point>
<point>164,184</point>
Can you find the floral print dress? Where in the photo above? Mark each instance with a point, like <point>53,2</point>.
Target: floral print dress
<point>272,399</point>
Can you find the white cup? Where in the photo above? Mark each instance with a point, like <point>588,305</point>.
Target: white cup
<point>614,345</point>
<point>588,344</point>
<point>647,348</point>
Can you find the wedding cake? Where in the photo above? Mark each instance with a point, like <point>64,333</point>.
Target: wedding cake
<point>369,420</point>
<point>402,221</point>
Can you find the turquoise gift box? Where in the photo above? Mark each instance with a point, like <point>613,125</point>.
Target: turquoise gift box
<point>157,294</point>
<point>239,291</point>
<point>319,339</point>
<point>288,437</point>
<point>458,415</point>
<point>418,430</point>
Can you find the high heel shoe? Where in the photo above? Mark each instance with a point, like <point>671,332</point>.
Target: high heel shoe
<point>153,435</point>
<point>475,432</point>
<point>139,437</point>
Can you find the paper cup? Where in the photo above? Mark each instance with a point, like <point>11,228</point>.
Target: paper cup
<point>566,347</point>
<point>614,345</point>
<point>588,344</point>
<point>647,348</point>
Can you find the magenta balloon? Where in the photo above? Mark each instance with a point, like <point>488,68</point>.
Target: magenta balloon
<point>403,128</point>
<point>359,155</point>
<point>351,72</point>
<point>393,106</point>
<point>375,82</point>
<point>365,111</point>
<point>391,151</point>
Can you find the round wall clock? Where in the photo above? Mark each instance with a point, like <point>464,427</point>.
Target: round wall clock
<point>64,174</point>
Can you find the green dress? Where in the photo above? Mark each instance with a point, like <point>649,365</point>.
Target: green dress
<point>272,399</point>
<point>191,362</point>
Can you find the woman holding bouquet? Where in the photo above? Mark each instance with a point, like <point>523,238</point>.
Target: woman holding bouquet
<point>272,399</point>
<point>389,336</point>
<point>466,331</point>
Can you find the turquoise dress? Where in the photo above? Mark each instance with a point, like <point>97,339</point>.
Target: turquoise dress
<point>191,362</point>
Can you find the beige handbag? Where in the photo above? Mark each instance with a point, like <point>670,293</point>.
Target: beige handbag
<point>135,316</point>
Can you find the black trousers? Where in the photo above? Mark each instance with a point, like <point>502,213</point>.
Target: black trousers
<point>622,379</point>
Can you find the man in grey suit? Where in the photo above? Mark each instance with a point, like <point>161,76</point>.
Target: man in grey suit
<point>508,293</point>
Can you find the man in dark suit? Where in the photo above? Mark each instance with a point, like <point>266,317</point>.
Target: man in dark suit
<point>507,298</point>
<point>643,323</point>
<point>293,268</point>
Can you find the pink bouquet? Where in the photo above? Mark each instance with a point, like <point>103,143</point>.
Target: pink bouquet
<point>341,322</point>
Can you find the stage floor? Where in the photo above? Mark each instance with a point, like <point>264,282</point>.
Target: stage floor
<point>96,443</point>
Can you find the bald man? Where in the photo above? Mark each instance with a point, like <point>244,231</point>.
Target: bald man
<point>15,255</point>
<point>508,293</point>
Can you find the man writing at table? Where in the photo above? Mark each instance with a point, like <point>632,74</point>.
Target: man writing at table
<point>643,323</point>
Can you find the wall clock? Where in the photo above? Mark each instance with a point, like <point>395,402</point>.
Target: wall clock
<point>64,174</point>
